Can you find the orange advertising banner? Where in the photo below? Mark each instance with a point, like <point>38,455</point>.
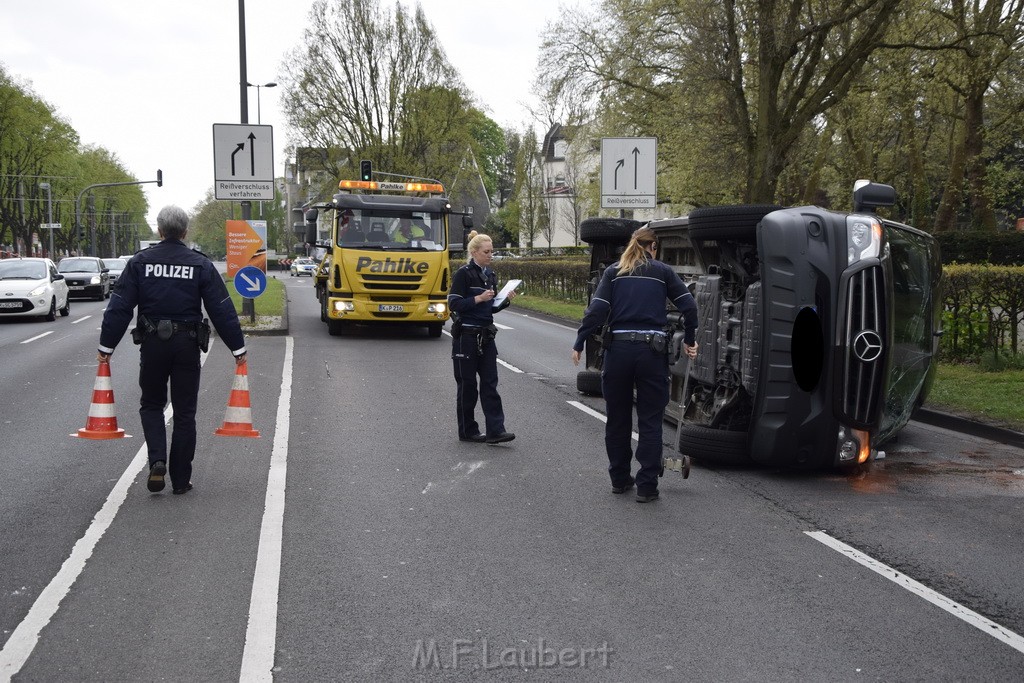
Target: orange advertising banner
<point>247,245</point>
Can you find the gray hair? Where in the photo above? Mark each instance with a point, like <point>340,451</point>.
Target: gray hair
<point>172,221</point>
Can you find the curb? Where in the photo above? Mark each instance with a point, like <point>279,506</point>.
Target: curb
<point>970,427</point>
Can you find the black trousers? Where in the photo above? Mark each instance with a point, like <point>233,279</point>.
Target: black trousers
<point>628,366</point>
<point>177,361</point>
<point>468,365</point>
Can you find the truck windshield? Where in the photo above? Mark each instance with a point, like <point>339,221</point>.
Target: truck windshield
<point>391,230</point>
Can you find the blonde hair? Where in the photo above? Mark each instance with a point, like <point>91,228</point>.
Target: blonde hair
<point>476,240</point>
<point>635,254</point>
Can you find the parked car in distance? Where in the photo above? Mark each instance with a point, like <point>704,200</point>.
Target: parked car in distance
<point>32,287</point>
<point>86,276</point>
<point>303,266</point>
<point>116,266</point>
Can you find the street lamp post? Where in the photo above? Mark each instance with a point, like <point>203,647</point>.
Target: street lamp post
<point>258,86</point>
<point>49,213</point>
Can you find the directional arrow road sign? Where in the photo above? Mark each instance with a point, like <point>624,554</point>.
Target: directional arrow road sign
<point>250,281</point>
<point>629,173</point>
<point>243,161</point>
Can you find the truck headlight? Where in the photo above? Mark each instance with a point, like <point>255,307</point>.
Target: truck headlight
<point>864,237</point>
<point>436,308</point>
<point>344,306</point>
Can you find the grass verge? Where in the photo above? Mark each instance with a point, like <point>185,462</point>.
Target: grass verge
<point>268,304</point>
<point>963,390</point>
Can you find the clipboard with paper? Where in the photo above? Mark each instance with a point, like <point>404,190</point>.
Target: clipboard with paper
<point>509,287</point>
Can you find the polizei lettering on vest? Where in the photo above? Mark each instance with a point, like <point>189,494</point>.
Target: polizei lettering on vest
<point>168,270</point>
<point>403,265</point>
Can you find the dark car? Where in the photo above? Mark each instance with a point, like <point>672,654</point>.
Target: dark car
<point>86,277</point>
<point>818,331</point>
<point>116,266</point>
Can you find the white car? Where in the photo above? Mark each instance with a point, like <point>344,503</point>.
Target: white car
<point>116,266</point>
<point>32,287</point>
<point>303,266</point>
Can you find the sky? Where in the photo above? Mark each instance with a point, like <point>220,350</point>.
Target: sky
<point>147,80</point>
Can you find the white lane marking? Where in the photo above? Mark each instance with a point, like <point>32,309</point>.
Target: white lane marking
<point>84,317</point>
<point>510,366</point>
<point>38,336</point>
<point>546,322</point>
<point>503,327</point>
<point>446,332</point>
<point>941,601</point>
<point>593,413</point>
<point>261,633</point>
<point>25,637</point>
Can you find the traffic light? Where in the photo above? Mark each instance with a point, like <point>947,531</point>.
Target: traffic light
<point>159,178</point>
<point>365,169</point>
<point>81,232</point>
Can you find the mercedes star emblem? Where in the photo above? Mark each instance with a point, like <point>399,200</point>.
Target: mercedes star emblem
<point>867,346</point>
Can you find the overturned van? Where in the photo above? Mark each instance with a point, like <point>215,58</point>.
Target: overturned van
<point>818,331</point>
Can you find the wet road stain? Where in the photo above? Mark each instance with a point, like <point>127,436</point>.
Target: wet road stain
<point>973,472</point>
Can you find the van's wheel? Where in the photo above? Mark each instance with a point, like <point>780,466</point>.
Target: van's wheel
<point>588,382</point>
<point>719,446</point>
<point>434,329</point>
<point>608,230</point>
<point>738,222</point>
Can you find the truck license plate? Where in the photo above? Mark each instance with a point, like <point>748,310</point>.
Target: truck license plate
<point>390,308</point>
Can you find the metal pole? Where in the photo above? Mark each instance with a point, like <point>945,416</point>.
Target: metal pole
<point>49,213</point>
<point>248,305</point>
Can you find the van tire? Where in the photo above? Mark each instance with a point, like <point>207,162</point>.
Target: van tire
<point>738,222</point>
<point>588,382</point>
<point>719,446</point>
<point>617,230</point>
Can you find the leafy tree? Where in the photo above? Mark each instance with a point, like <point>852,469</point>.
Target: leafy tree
<point>754,75</point>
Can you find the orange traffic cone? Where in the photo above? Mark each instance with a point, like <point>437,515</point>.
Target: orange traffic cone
<point>238,415</point>
<point>102,423</point>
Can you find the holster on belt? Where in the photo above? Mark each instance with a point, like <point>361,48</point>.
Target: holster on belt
<point>203,335</point>
<point>143,330</point>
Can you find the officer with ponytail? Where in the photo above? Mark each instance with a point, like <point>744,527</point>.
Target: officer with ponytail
<point>630,300</point>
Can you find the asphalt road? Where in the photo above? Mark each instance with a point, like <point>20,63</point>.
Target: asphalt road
<point>358,539</point>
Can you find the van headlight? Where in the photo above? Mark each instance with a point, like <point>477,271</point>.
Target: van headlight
<point>854,445</point>
<point>864,237</point>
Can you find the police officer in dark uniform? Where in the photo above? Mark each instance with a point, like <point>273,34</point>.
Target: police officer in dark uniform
<point>474,353</point>
<point>630,300</point>
<point>169,283</point>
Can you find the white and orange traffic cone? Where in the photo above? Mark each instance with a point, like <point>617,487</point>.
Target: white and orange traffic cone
<point>238,415</point>
<point>102,422</point>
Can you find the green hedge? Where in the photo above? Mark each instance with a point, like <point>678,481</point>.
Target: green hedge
<point>555,278</point>
<point>983,310</point>
<point>1000,248</point>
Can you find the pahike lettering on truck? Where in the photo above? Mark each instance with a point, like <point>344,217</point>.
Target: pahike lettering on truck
<point>386,253</point>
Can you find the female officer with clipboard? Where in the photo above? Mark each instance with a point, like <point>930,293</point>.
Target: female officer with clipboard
<point>630,299</point>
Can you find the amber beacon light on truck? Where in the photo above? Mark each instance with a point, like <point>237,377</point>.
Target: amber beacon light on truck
<point>386,249</point>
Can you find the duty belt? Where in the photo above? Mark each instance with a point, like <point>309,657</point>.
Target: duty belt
<point>644,337</point>
<point>179,326</point>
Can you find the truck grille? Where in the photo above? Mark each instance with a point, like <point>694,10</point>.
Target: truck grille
<point>863,356</point>
<point>406,283</point>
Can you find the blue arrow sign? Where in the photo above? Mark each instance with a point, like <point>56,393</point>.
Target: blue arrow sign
<point>250,281</point>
